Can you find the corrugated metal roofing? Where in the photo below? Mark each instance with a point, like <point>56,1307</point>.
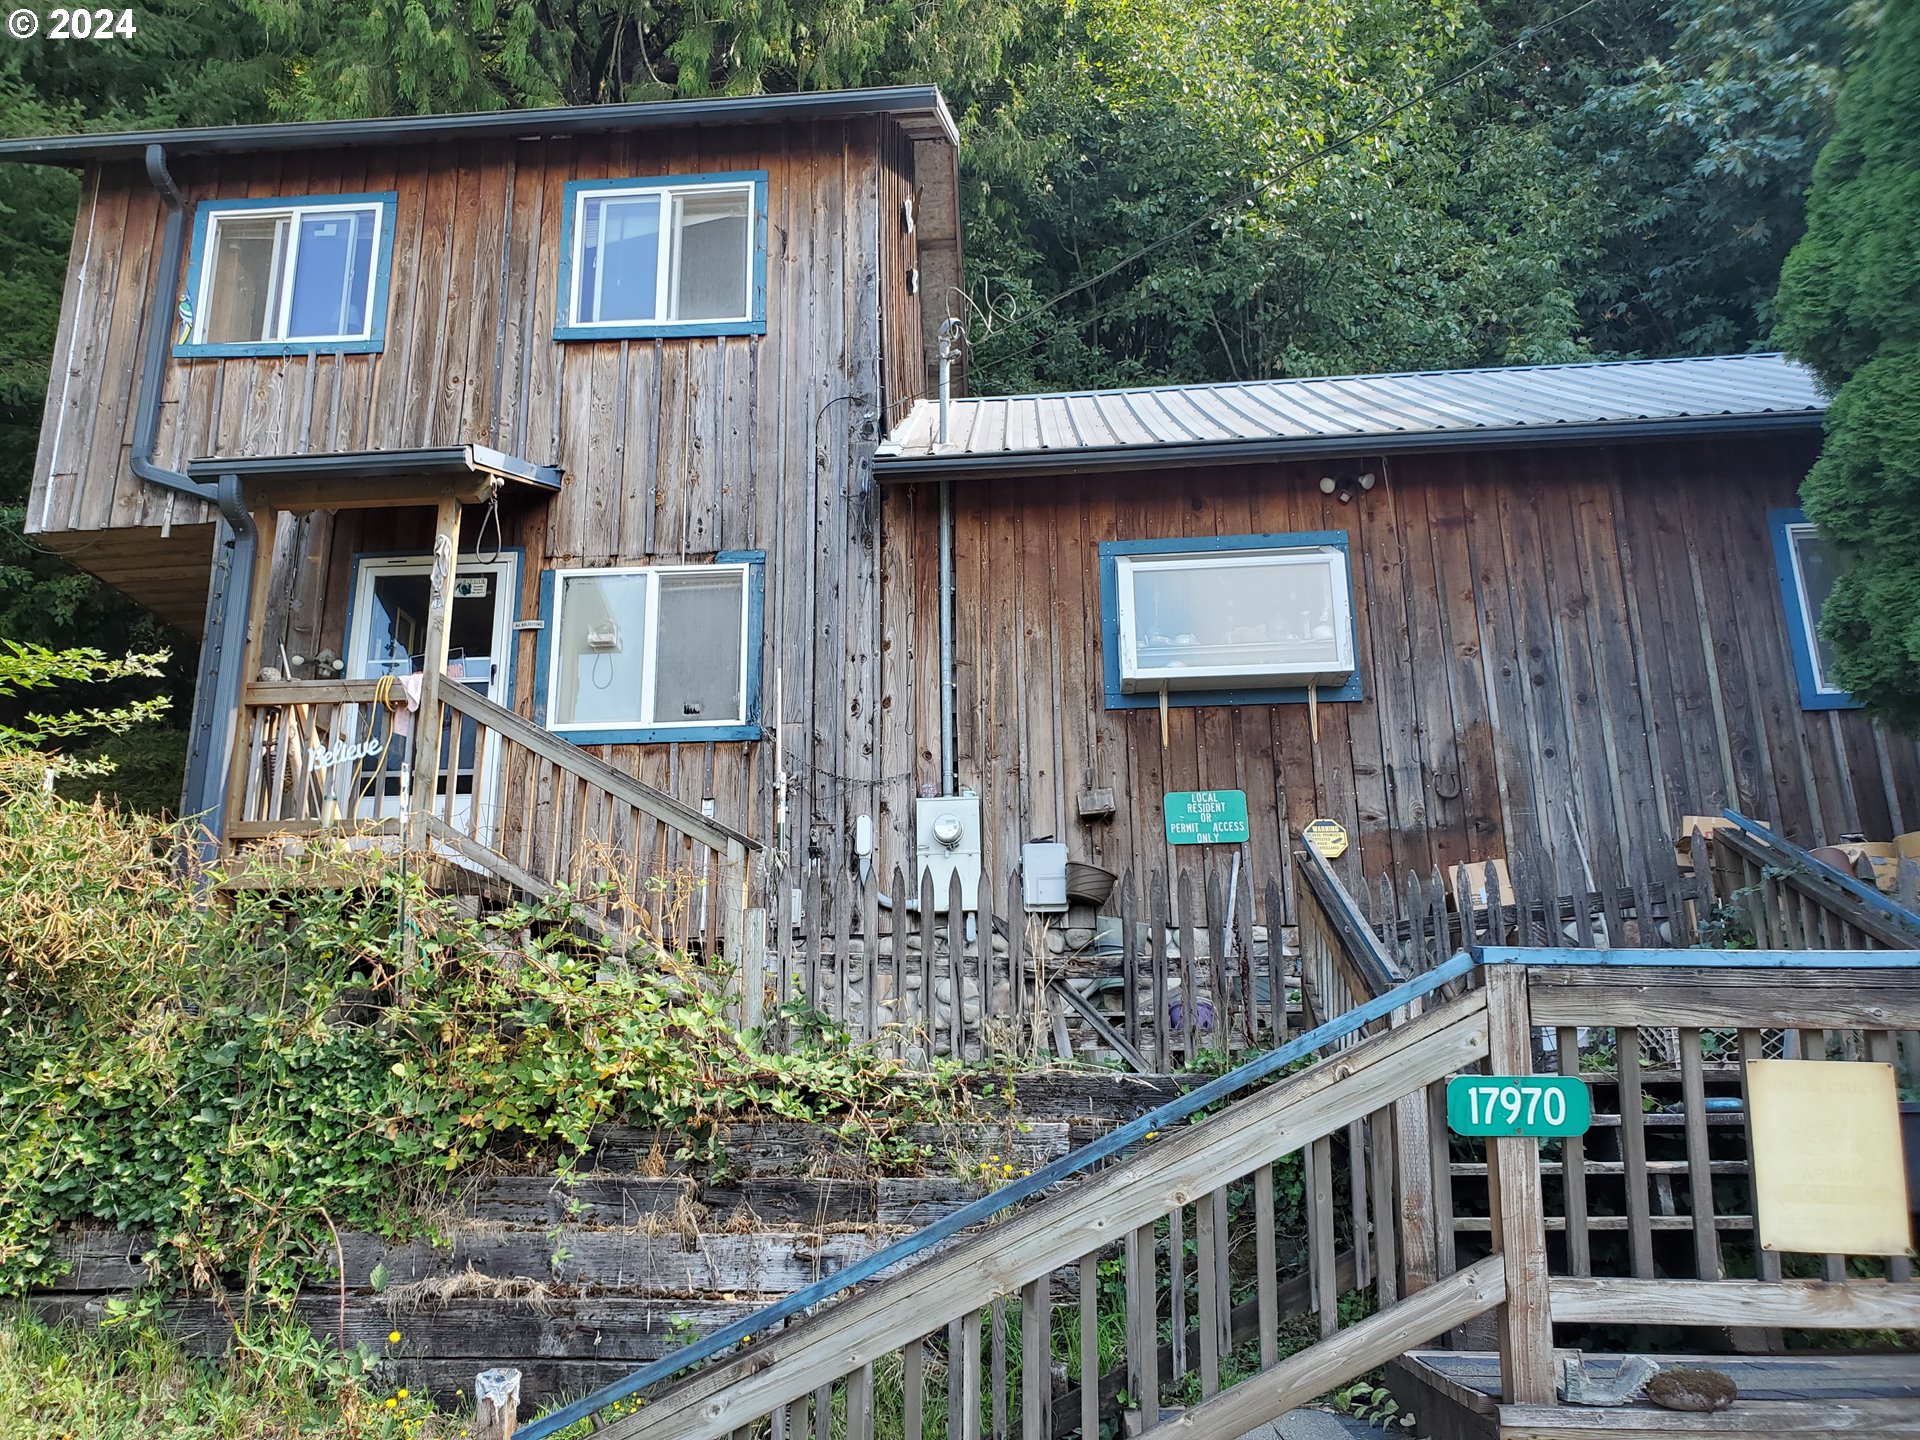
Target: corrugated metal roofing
<point>1116,429</point>
<point>919,109</point>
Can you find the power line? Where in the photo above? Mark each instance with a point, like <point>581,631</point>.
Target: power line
<point>1253,192</point>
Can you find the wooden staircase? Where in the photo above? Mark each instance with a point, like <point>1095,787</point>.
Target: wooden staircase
<point>1175,1248</point>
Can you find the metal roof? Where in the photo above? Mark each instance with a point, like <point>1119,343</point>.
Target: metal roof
<point>1589,402</point>
<point>920,110</point>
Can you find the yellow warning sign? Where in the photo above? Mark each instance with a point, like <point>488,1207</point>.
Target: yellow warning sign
<point>1329,837</point>
<point>1828,1168</point>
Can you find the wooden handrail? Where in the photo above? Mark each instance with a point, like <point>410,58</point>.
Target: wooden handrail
<point>310,692</point>
<point>1002,1201</point>
<point>1067,1225</point>
<point>1865,909</point>
<point>1370,962</point>
<point>617,783</point>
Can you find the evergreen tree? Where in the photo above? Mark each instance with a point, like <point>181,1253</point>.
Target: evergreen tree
<point>1850,307</point>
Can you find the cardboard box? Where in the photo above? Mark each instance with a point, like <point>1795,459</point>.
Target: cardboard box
<point>1907,846</point>
<point>1477,883</point>
<point>1683,840</point>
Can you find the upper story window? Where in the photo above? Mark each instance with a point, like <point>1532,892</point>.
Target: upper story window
<point>274,277</point>
<point>685,256</point>
<point>1809,564</point>
<point>664,652</point>
<point>1235,619</point>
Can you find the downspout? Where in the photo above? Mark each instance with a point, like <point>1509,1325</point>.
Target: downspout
<point>949,780</point>
<point>146,413</point>
<point>223,638</point>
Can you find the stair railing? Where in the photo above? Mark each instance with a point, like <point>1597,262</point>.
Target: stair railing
<point>1120,1233</point>
<point>1793,902</point>
<point>974,1325</point>
<point>540,812</point>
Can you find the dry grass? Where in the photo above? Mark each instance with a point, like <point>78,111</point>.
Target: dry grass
<point>438,1291</point>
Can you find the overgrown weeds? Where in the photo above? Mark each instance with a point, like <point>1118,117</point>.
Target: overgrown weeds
<point>133,1383</point>
<point>242,1080</point>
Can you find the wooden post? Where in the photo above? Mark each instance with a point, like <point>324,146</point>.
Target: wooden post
<point>264,523</point>
<point>496,1404</point>
<point>1519,1227</point>
<point>426,723</point>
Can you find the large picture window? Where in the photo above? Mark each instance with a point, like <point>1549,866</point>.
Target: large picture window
<point>1809,564</point>
<point>281,276</point>
<point>663,257</point>
<point>636,653</point>
<point>1240,619</point>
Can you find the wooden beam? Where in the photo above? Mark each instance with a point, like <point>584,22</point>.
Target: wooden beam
<point>1882,1419</point>
<point>1693,997</point>
<point>1353,1351</point>
<point>426,720</point>
<point>1796,1304</point>
<point>1513,1189</point>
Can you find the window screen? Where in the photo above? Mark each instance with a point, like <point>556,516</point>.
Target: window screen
<point>304,273</point>
<point>662,254</point>
<point>647,648</point>
<point>600,653</point>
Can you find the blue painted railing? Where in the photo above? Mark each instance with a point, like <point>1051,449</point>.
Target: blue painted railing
<point>1895,914</point>
<point>1176,1112</point>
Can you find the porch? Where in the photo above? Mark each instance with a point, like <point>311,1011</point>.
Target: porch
<point>414,748</point>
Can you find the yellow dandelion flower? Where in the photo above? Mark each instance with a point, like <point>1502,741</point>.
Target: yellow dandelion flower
<point>394,1338</point>
<point>391,1402</point>
<point>403,1392</point>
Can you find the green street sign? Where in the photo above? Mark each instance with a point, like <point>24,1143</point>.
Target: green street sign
<point>1207,817</point>
<point>1507,1105</point>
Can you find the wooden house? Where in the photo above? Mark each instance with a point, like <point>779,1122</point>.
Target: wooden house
<point>1538,615</point>
<point>597,443</point>
<point>622,367</point>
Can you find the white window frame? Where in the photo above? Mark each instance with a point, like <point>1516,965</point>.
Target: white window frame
<point>1797,530</point>
<point>666,293</point>
<point>653,575</point>
<point>286,268</point>
<point>1135,677</point>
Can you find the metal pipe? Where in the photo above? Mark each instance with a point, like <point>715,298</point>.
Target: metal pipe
<point>146,412</point>
<point>949,779</point>
<point>216,691</point>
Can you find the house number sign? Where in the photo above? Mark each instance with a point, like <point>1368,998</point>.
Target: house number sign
<point>1206,817</point>
<point>1510,1105</point>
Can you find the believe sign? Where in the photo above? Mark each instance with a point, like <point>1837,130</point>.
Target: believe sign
<point>1509,1105</point>
<point>1207,817</point>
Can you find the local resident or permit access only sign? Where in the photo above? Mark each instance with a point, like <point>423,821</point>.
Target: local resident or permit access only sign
<point>1511,1105</point>
<point>1207,817</point>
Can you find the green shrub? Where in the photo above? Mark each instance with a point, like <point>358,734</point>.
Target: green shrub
<point>240,1078</point>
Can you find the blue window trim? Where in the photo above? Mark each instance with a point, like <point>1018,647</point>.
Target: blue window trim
<point>376,341</point>
<point>519,555</point>
<point>1118,699</point>
<point>1812,697</point>
<point>756,563</point>
<point>756,324</point>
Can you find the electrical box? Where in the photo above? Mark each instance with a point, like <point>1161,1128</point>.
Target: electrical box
<point>946,834</point>
<point>1043,875</point>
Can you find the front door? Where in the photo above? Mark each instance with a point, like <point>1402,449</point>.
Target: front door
<point>386,634</point>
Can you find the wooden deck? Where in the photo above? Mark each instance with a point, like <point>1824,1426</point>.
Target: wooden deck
<point>1455,1395</point>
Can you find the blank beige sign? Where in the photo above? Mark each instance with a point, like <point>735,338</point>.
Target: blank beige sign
<point>1827,1163</point>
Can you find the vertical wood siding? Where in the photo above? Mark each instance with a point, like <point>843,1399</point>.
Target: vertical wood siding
<point>1564,651</point>
<point>674,449</point>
